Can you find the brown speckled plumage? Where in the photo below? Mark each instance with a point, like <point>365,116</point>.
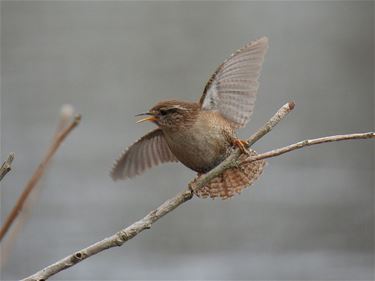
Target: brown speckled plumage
<point>234,180</point>
<point>201,134</point>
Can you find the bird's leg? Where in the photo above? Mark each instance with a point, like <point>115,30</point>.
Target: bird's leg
<point>241,144</point>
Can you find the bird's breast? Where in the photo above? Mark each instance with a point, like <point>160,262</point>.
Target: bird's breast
<point>203,145</point>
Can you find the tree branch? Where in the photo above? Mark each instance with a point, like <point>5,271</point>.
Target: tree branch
<point>301,144</point>
<point>120,237</point>
<point>280,114</point>
<point>7,166</point>
<point>57,140</point>
<point>124,235</point>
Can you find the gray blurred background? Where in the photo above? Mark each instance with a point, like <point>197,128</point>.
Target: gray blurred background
<point>311,214</point>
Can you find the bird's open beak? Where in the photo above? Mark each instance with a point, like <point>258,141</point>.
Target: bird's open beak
<point>151,118</point>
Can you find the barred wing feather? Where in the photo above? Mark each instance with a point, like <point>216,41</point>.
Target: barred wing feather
<point>150,150</point>
<point>233,87</point>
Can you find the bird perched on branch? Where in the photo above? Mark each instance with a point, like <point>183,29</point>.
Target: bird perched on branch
<point>202,134</point>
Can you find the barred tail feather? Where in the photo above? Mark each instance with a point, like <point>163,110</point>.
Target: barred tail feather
<point>234,180</point>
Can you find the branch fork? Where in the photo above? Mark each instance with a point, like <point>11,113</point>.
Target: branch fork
<point>122,236</point>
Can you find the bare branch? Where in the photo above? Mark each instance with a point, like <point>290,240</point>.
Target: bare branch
<point>126,234</point>
<point>65,118</point>
<point>117,239</point>
<point>37,175</point>
<point>279,115</point>
<point>301,144</point>
<point>7,166</point>
<point>66,115</point>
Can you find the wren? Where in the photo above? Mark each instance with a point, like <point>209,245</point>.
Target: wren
<point>201,134</point>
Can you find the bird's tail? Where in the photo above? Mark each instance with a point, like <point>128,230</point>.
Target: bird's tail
<point>233,180</point>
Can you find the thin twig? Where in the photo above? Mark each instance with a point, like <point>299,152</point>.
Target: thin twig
<point>66,115</point>
<point>37,175</point>
<point>280,114</point>
<point>7,166</point>
<point>301,144</point>
<point>65,118</point>
<point>117,239</point>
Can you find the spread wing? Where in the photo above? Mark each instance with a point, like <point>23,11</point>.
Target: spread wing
<point>233,87</point>
<point>150,150</point>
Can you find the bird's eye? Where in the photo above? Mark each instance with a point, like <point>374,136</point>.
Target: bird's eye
<point>163,112</point>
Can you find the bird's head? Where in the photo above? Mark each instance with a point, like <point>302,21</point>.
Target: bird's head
<point>172,115</point>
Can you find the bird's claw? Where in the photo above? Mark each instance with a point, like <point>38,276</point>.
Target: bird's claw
<point>241,144</point>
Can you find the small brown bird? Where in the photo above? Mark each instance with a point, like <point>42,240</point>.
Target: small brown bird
<point>202,134</point>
